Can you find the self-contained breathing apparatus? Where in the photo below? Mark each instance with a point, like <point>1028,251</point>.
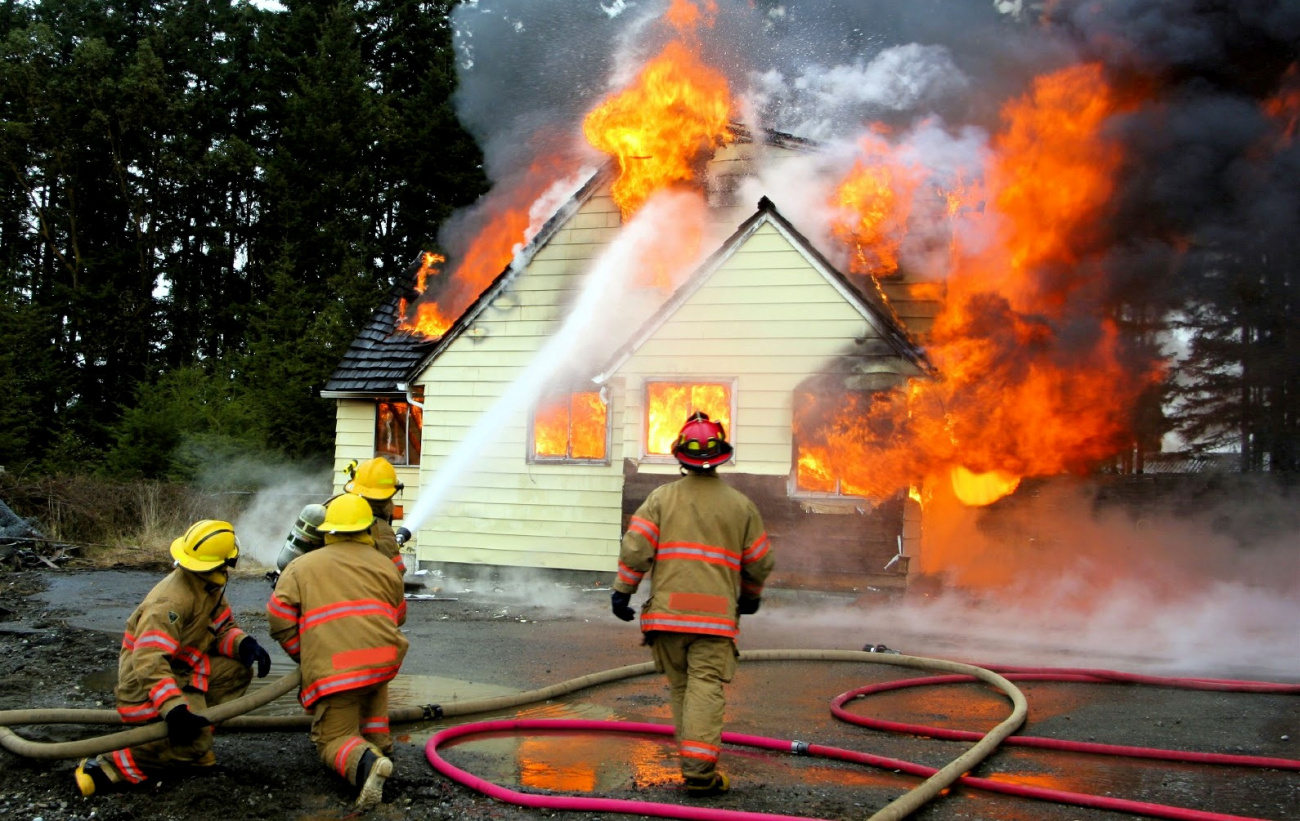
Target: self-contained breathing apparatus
<point>373,480</point>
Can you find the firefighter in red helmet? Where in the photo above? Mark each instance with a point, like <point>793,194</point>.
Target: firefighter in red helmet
<point>706,551</point>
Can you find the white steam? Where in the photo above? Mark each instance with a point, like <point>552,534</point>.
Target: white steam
<point>823,101</point>
<point>267,520</point>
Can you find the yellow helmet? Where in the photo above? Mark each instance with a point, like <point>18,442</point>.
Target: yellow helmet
<point>207,545</point>
<point>348,513</point>
<point>374,479</point>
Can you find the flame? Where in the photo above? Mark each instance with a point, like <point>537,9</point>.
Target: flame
<point>1033,377</point>
<point>429,320</point>
<point>668,121</point>
<point>668,404</point>
<point>979,489</point>
<point>506,227</point>
<point>571,426</point>
<point>1284,106</point>
<point>873,205</point>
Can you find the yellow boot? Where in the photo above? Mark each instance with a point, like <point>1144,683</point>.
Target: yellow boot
<point>91,778</point>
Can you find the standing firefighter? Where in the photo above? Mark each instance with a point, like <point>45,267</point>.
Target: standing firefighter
<point>336,611</point>
<point>703,544</point>
<point>181,653</point>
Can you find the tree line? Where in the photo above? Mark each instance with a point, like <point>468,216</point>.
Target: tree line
<point>202,202</point>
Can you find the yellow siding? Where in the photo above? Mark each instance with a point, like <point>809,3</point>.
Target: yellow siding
<point>503,510</point>
<point>766,320</point>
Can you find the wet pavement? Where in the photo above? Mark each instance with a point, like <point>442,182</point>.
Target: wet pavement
<point>479,638</point>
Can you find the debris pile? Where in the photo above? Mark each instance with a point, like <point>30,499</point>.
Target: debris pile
<point>23,545</point>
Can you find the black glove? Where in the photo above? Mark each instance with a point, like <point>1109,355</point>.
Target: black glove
<point>184,727</point>
<point>619,603</point>
<point>748,605</point>
<point>251,652</point>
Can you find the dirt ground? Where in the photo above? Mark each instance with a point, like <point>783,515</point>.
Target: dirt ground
<point>59,633</point>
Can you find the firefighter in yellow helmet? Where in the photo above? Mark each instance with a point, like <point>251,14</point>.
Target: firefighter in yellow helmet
<point>375,480</point>
<point>182,653</point>
<point>706,551</point>
<point>337,610</point>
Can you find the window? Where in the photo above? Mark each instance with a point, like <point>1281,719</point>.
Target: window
<point>571,427</point>
<point>397,431</point>
<point>668,404</point>
<point>831,433</point>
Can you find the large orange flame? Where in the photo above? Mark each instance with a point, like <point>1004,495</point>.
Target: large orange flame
<point>506,225</point>
<point>874,203</point>
<point>1032,379</point>
<point>671,118</point>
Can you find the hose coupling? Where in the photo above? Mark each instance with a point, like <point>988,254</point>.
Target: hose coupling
<point>431,712</point>
<point>799,747</point>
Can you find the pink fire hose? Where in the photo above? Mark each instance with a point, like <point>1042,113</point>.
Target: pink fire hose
<point>910,801</point>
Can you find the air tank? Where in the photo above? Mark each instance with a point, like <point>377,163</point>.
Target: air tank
<point>304,537</point>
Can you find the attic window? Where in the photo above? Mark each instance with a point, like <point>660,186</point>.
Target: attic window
<point>397,431</point>
<point>668,404</point>
<point>571,427</point>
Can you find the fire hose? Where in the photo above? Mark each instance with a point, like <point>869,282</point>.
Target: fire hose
<point>231,717</point>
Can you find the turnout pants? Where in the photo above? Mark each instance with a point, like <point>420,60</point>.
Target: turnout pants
<point>229,680</point>
<point>696,666</point>
<point>345,725</point>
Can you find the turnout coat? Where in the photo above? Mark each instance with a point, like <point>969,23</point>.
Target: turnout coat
<point>703,544</point>
<point>168,644</point>
<point>336,611</point>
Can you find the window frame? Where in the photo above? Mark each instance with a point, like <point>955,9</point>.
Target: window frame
<point>677,379</point>
<point>531,455</point>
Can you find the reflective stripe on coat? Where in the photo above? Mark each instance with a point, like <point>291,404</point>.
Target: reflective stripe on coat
<point>703,544</point>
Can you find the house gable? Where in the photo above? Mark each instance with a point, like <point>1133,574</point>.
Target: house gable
<point>766,314</point>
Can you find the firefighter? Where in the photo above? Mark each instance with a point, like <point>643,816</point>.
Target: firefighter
<point>336,611</point>
<point>375,480</point>
<point>182,652</point>
<point>703,544</point>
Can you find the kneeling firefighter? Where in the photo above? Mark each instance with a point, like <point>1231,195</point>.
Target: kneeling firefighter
<point>336,611</point>
<point>706,551</point>
<point>182,652</point>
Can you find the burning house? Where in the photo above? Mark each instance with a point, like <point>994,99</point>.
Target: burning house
<point>763,333</point>
<point>909,314</point>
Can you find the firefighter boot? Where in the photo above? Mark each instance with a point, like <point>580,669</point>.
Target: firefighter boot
<point>714,784</point>
<point>371,771</point>
<point>91,778</point>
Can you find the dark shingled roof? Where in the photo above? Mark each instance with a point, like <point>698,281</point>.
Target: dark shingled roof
<point>378,359</point>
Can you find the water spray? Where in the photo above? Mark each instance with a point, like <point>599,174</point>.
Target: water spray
<point>598,289</point>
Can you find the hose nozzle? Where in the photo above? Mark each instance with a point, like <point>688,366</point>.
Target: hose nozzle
<point>403,535</point>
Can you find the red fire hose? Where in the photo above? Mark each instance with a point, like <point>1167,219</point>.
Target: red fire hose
<point>586,804</point>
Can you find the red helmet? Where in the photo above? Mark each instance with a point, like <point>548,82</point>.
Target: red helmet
<point>702,442</point>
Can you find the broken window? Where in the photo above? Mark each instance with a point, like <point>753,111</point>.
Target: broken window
<point>668,404</point>
<point>571,427</point>
<point>397,431</point>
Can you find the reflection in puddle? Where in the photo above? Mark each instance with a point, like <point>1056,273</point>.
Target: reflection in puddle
<point>579,762</point>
